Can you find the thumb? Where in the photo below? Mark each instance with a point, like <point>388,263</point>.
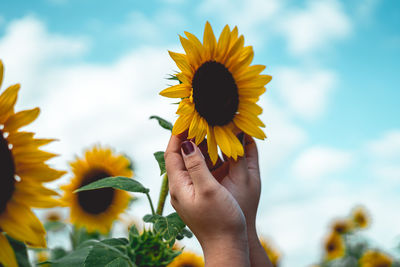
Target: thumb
<point>196,166</point>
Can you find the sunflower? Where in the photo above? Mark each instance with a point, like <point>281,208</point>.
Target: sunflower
<point>22,173</point>
<point>96,209</point>
<point>360,217</point>
<point>334,246</point>
<point>273,254</point>
<point>219,91</point>
<point>187,259</point>
<point>373,258</point>
<point>342,226</point>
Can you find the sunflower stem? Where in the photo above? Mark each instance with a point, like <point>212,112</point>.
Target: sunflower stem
<point>163,195</point>
<point>151,203</point>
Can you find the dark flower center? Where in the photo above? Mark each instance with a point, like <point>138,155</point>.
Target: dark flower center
<point>7,172</point>
<point>215,93</point>
<point>98,200</point>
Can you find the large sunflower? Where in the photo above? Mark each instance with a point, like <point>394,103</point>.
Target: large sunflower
<point>96,209</point>
<point>187,259</point>
<point>22,173</point>
<point>219,91</point>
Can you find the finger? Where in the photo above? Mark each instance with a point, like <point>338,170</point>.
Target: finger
<point>176,170</point>
<point>196,166</point>
<point>251,153</point>
<point>221,172</point>
<point>238,168</point>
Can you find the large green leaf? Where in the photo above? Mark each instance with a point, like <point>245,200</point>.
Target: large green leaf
<point>163,123</point>
<point>76,258</point>
<point>118,182</point>
<point>161,162</point>
<point>20,252</point>
<point>103,254</point>
<point>170,226</point>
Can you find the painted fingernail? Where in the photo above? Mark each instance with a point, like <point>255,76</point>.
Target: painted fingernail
<point>240,137</point>
<point>187,147</point>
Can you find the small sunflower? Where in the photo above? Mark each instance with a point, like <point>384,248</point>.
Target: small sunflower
<point>373,258</point>
<point>273,254</point>
<point>96,209</point>
<point>187,259</point>
<point>334,246</point>
<point>360,217</point>
<point>342,226</point>
<point>219,91</point>
<point>22,173</point>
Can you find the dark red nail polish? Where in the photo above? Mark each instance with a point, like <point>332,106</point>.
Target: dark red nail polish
<point>187,147</point>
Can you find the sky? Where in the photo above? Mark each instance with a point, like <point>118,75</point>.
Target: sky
<point>331,111</point>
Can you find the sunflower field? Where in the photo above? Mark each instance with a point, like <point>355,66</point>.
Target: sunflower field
<point>216,92</point>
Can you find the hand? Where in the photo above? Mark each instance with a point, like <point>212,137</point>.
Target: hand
<point>206,206</point>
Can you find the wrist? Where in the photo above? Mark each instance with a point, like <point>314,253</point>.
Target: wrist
<point>228,250</point>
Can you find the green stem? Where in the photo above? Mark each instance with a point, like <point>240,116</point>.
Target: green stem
<point>163,195</point>
<point>151,204</point>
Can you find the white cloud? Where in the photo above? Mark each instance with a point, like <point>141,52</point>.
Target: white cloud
<point>387,147</point>
<point>317,162</point>
<point>306,92</point>
<point>316,26</point>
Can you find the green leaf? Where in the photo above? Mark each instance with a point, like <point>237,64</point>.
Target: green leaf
<point>118,182</point>
<point>163,123</point>
<point>149,218</point>
<point>54,226</point>
<point>161,162</point>
<point>76,258</point>
<point>103,254</point>
<point>58,253</point>
<point>20,252</point>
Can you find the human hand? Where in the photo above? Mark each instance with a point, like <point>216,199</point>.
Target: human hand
<point>207,207</point>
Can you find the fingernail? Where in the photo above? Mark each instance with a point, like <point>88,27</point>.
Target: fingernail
<point>240,137</point>
<point>187,147</point>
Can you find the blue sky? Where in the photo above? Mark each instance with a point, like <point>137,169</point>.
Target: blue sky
<point>331,110</point>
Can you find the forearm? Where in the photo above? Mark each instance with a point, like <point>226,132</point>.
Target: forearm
<point>258,256</point>
<point>227,251</point>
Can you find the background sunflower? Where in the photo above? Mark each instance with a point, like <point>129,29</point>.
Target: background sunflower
<point>219,91</point>
<point>97,209</point>
<point>22,173</point>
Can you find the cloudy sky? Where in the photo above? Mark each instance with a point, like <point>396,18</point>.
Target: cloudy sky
<point>331,110</point>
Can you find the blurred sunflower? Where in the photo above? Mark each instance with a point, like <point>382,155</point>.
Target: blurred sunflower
<point>360,217</point>
<point>373,258</point>
<point>187,259</point>
<point>342,226</point>
<point>273,254</point>
<point>219,91</point>
<point>334,246</point>
<point>96,209</point>
<point>22,173</point>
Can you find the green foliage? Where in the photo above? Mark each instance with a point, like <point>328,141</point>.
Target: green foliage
<point>163,123</point>
<point>54,226</point>
<point>20,252</point>
<point>149,248</point>
<point>170,227</point>
<point>161,162</point>
<point>118,182</point>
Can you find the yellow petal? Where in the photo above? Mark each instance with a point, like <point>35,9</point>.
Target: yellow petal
<point>243,62</point>
<point>209,41</point>
<point>39,156</point>
<point>242,123</point>
<point>194,126</point>
<point>182,124</point>
<point>20,119</point>
<point>8,99</point>
<point>192,53</point>
<point>212,145</point>
<point>234,51</point>
<point>196,42</point>
<point>202,131</point>
<point>234,36</point>
<point>259,81</point>
<point>223,140</point>
<point>250,107</point>
<point>223,43</point>
<point>38,172</point>
<point>177,91</point>
<point>185,107</point>
<point>181,61</point>
<point>252,118</point>
<point>7,256</point>
<point>251,92</point>
<point>250,73</point>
